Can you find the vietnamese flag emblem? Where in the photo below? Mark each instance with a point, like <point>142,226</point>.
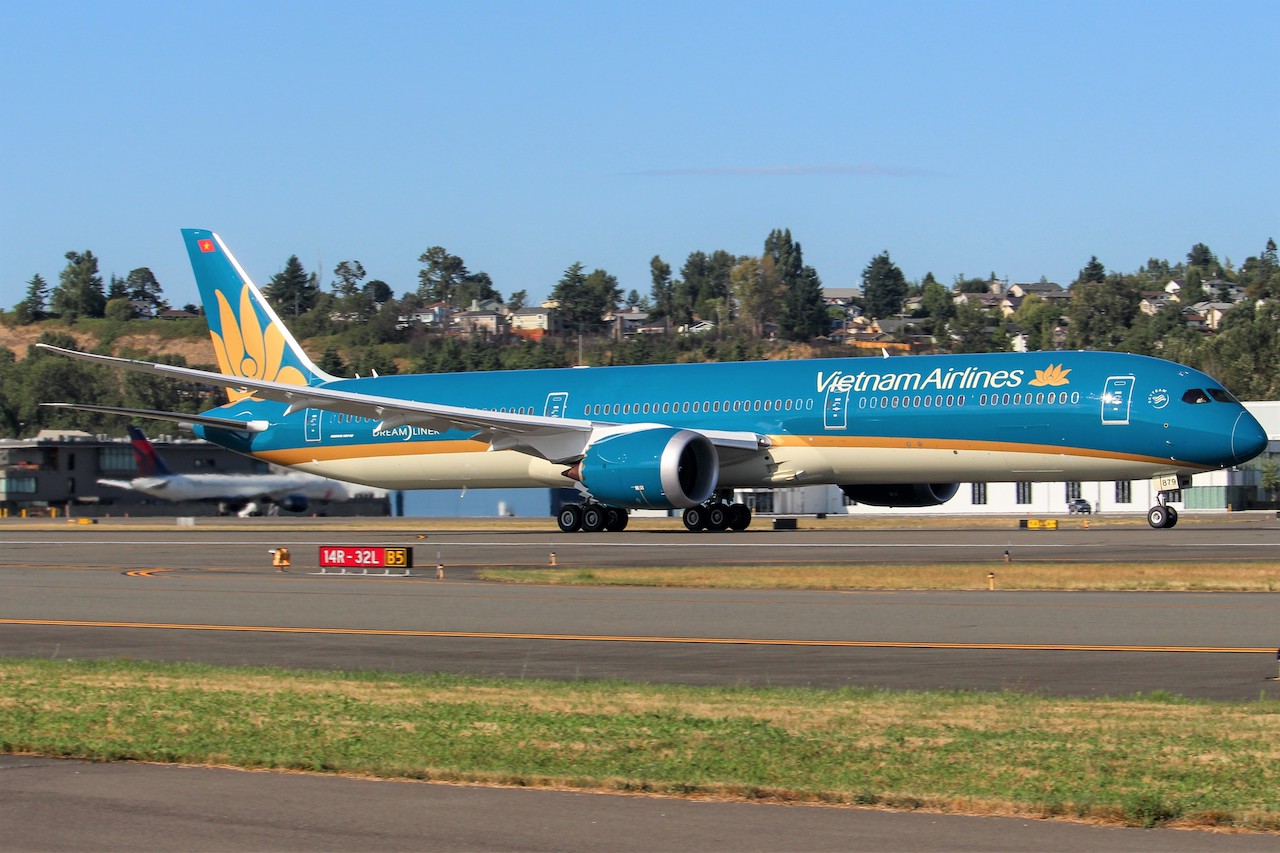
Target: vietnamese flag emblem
<point>206,246</point>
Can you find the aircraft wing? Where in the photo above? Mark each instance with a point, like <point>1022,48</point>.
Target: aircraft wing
<point>554,439</point>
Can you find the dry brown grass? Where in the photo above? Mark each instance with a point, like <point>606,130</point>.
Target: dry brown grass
<point>1199,576</point>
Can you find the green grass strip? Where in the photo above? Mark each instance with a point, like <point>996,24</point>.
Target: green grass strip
<point>1143,761</point>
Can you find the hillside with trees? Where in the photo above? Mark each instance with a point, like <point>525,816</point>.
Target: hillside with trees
<point>1202,311</point>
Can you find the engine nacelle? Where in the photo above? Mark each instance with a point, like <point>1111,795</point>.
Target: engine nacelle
<point>903,494</point>
<point>293,503</point>
<point>658,468</point>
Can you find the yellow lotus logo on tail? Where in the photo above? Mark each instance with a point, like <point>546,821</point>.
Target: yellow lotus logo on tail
<point>1052,375</point>
<point>245,349</point>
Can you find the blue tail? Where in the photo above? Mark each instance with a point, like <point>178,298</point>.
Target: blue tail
<point>248,336</point>
<point>149,462</point>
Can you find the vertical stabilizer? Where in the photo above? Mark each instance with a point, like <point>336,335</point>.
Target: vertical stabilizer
<point>248,336</point>
<point>144,454</point>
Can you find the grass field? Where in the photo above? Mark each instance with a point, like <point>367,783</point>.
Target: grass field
<point>1223,576</point>
<point>1142,761</point>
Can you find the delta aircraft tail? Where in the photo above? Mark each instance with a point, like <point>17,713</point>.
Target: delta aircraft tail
<point>249,339</point>
<point>149,462</point>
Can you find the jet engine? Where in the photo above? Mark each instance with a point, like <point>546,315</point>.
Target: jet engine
<point>293,503</point>
<point>903,494</point>
<point>656,468</point>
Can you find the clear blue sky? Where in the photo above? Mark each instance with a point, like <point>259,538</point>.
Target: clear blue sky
<point>965,138</point>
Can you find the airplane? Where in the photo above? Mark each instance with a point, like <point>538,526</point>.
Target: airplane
<point>243,494</point>
<point>901,432</point>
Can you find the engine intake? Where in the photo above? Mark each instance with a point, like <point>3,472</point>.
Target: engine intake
<point>657,468</point>
<point>903,494</point>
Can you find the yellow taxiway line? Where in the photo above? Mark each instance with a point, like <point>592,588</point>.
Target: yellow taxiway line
<point>606,638</point>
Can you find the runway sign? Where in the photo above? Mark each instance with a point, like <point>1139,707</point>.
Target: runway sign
<point>364,557</point>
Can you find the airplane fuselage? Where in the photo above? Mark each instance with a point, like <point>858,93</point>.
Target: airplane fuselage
<point>919,419</point>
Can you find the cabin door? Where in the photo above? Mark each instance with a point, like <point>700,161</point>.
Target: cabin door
<point>556,402</point>
<point>313,421</point>
<point>1117,394</point>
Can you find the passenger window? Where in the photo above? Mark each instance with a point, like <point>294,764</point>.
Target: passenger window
<point>1195,396</point>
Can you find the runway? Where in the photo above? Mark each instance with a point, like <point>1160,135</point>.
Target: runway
<point>212,596</point>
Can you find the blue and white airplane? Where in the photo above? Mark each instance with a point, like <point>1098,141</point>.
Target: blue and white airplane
<point>890,432</point>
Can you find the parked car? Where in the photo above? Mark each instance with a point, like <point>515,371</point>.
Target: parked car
<point>1079,506</point>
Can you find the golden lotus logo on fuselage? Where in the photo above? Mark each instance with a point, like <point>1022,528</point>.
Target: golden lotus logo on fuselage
<point>1052,376</point>
<point>248,350</point>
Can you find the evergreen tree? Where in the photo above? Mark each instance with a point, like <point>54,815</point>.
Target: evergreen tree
<point>79,292</point>
<point>884,287</point>
<point>662,292</point>
<point>292,290</point>
<point>1093,271</point>
<point>804,313</point>
<point>32,308</point>
<point>117,289</point>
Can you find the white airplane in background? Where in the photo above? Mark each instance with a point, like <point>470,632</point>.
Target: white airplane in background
<point>243,494</point>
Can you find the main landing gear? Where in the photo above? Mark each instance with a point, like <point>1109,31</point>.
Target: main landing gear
<point>717,515</point>
<point>591,518</point>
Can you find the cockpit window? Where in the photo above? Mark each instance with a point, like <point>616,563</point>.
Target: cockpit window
<point>1195,395</point>
<point>1222,395</point>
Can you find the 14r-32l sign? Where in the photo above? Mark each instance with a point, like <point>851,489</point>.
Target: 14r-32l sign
<point>365,557</point>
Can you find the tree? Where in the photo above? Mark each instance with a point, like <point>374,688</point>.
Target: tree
<point>378,290</point>
<point>663,291</point>
<point>79,292</point>
<point>476,287</point>
<point>757,291</point>
<point>1093,271</point>
<point>141,287</point>
<point>1038,319</point>
<point>884,287</point>
<point>975,330</point>
<point>939,303</point>
<point>1101,312</point>
<point>441,276</point>
<point>804,313</point>
<point>292,289</point>
<point>584,299</point>
<point>518,301</point>
<point>32,307</point>
<point>116,289</point>
<point>350,274</point>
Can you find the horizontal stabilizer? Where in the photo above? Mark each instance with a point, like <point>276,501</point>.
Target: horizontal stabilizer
<point>180,418</point>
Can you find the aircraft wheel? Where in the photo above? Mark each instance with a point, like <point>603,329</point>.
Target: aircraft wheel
<point>739,516</point>
<point>1158,516</point>
<point>616,519</point>
<point>717,517</point>
<point>1172,518</point>
<point>695,519</point>
<point>570,518</point>
<point>594,518</point>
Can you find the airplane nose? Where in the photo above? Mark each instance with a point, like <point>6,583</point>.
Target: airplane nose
<point>1248,438</point>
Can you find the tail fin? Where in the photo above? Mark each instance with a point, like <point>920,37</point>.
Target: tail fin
<point>248,336</point>
<point>149,462</point>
